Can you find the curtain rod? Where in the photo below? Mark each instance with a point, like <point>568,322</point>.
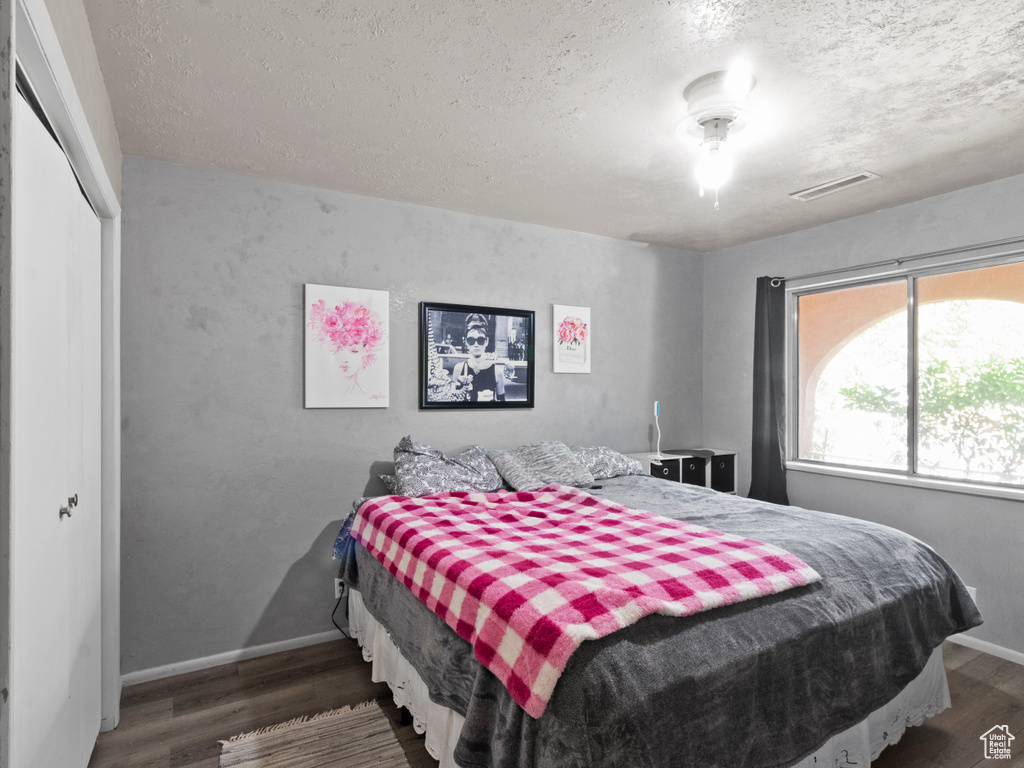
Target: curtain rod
<point>777,281</point>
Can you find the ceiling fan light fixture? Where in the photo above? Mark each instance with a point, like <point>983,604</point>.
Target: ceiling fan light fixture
<point>716,161</point>
<point>714,169</point>
<point>722,95</point>
<point>739,82</point>
<point>715,105</point>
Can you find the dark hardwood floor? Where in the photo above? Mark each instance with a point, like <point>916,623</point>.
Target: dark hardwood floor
<point>986,691</point>
<point>177,722</point>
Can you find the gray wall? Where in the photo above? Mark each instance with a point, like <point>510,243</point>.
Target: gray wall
<point>232,492</point>
<point>982,538</point>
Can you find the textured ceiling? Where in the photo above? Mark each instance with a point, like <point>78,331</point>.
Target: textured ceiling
<point>564,112</point>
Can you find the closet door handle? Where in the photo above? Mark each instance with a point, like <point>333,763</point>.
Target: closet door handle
<point>72,503</point>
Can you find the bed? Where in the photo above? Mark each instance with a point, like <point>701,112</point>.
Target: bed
<point>817,675</point>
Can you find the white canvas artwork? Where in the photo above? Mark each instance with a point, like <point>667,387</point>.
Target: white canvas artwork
<point>571,339</point>
<point>346,347</point>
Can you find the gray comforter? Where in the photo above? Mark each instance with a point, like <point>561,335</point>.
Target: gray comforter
<point>759,684</point>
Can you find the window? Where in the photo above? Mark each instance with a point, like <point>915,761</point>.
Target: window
<point>920,374</point>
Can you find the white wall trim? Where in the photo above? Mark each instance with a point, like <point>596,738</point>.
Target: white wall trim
<point>7,97</point>
<point>110,489</point>
<point>1011,493</point>
<point>986,647</point>
<point>38,51</point>
<point>228,657</point>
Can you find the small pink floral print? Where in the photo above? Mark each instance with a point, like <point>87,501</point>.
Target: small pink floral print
<point>566,331</point>
<point>350,325</point>
<point>572,331</point>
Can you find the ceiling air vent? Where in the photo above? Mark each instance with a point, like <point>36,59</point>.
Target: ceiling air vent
<point>813,193</point>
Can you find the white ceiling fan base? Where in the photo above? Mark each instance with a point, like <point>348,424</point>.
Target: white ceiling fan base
<point>708,98</point>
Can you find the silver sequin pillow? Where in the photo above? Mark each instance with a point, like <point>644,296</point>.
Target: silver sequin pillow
<point>604,462</point>
<point>421,470</point>
<point>536,465</point>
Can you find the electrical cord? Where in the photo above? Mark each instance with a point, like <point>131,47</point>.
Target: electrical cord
<point>344,594</point>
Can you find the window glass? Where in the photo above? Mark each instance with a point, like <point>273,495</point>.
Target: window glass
<point>970,392</point>
<point>852,360</point>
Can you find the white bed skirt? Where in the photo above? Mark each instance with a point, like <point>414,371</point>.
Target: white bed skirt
<point>926,695</point>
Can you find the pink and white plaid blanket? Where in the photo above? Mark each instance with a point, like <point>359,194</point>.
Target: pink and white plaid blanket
<point>527,577</point>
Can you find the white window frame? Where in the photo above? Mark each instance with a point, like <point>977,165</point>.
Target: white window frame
<point>913,267</point>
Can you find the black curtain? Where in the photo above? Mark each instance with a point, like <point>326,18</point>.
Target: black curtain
<point>768,450</point>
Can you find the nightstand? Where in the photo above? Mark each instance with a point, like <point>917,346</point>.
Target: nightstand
<point>707,467</point>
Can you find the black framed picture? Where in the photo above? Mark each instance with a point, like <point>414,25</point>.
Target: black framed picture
<point>476,357</point>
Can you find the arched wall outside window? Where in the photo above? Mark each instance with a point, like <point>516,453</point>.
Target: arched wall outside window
<point>828,322</point>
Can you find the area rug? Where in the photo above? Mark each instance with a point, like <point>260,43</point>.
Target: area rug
<point>359,737</point>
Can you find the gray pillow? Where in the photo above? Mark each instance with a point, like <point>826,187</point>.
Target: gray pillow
<point>390,482</point>
<point>421,470</point>
<point>603,462</point>
<point>536,465</point>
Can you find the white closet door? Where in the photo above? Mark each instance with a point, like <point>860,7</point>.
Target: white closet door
<point>84,435</point>
<point>55,422</point>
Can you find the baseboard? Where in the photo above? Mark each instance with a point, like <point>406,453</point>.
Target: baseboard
<point>228,657</point>
<point>990,648</point>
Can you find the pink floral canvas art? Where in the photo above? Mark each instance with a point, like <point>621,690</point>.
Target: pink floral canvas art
<point>571,339</point>
<point>346,347</point>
